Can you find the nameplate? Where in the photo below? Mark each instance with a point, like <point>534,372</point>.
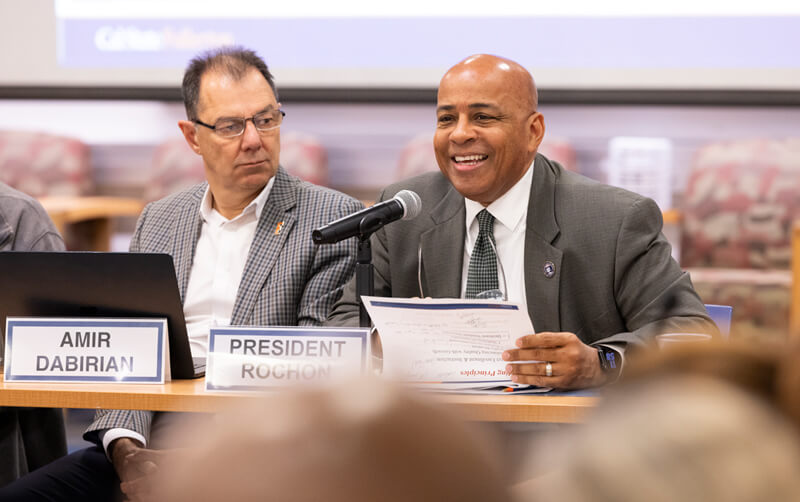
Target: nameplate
<point>85,350</point>
<point>247,358</point>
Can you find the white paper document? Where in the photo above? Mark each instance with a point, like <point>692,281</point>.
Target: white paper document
<point>447,344</point>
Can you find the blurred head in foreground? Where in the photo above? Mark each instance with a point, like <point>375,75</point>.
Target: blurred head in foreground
<point>770,372</point>
<point>691,427</point>
<point>363,442</point>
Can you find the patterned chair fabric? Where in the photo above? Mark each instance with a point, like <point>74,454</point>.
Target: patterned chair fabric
<point>42,164</point>
<point>560,150</point>
<point>760,299</point>
<point>302,155</point>
<point>741,199</point>
<point>175,166</point>
<point>418,157</point>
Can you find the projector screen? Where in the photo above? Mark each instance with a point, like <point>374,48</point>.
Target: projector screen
<point>569,44</point>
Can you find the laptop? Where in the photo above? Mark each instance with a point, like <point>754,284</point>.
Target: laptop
<point>90,284</point>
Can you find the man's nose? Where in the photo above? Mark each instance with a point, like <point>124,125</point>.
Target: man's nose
<point>250,137</point>
<point>462,132</point>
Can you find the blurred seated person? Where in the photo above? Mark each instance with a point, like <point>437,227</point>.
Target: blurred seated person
<point>29,437</point>
<point>241,243</point>
<point>363,442</point>
<point>587,261</point>
<point>712,424</point>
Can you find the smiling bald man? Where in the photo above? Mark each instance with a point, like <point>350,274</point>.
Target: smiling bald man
<point>588,261</point>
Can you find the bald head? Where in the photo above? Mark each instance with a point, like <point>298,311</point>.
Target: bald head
<point>488,128</point>
<point>486,66</point>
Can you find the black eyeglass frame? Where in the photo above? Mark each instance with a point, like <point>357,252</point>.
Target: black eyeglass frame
<point>244,122</point>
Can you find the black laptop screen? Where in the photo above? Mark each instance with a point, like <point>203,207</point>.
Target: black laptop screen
<point>89,284</point>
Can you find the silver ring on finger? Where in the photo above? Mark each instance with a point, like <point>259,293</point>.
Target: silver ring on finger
<point>548,369</point>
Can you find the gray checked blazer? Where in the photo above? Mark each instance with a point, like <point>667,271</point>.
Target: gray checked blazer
<point>596,262</point>
<point>287,280</point>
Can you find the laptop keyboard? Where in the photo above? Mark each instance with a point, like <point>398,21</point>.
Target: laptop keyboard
<point>199,365</point>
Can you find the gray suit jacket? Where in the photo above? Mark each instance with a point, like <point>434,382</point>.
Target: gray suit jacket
<point>614,280</point>
<point>287,280</point>
<point>29,437</point>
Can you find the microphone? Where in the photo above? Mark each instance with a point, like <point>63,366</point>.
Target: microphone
<point>404,205</point>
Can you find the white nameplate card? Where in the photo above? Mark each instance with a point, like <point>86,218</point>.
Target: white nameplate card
<point>248,358</point>
<point>85,350</point>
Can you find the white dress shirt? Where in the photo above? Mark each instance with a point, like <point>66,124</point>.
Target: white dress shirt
<point>217,268</point>
<point>510,212</point>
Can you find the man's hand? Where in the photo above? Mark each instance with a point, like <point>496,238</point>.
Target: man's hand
<point>134,466</point>
<point>575,365</point>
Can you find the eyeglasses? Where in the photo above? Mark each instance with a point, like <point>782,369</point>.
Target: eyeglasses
<point>230,127</point>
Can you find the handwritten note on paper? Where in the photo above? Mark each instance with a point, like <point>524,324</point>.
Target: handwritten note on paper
<point>451,342</point>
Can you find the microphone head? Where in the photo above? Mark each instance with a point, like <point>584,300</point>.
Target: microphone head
<point>412,204</point>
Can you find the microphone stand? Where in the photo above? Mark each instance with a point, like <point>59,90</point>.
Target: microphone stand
<point>371,220</point>
<point>365,278</point>
<point>365,274</point>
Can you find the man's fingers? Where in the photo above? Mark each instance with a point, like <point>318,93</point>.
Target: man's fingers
<point>141,462</point>
<point>530,355</point>
<point>532,369</point>
<point>573,364</point>
<point>544,340</point>
<point>147,467</point>
<point>136,488</point>
<point>538,381</point>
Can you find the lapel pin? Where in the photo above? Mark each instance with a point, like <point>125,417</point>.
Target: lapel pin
<point>278,228</point>
<point>549,269</point>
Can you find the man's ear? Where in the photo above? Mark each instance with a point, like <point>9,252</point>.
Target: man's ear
<point>189,131</point>
<point>536,124</point>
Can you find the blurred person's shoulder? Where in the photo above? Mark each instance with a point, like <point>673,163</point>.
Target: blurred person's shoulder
<point>24,223</point>
<point>13,202</point>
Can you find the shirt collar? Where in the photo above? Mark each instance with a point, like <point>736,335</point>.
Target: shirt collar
<point>210,214</point>
<point>511,208</point>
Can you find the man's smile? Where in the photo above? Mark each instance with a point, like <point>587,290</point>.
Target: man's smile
<point>469,161</point>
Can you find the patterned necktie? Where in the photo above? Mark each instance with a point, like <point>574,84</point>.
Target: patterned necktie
<point>482,274</point>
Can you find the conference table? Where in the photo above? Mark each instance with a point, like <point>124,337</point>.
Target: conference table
<point>190,395</point>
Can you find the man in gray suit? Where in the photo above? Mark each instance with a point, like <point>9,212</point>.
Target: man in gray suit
<point>29,437</point>
<point>243,254</point>
<point>588,261</point>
